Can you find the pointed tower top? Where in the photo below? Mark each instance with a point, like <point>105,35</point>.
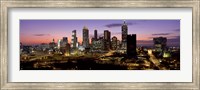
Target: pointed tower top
<point>124,22</point>
<point>85,27</point>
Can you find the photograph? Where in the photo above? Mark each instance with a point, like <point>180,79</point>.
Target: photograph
<point>99,44</point>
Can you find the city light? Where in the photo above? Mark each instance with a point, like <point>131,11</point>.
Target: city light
<point>100,52</point>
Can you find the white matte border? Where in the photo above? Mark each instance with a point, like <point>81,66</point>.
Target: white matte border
<point>183,75</point>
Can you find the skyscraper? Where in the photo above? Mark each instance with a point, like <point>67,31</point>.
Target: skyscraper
<point>131,45</point>
<point>124,35</point>
<point>85,37</point>
<point>65,39</point>
<point>59,43</point>
<point>107,36</point>
<point>74,39</point>
<point>95,34</point>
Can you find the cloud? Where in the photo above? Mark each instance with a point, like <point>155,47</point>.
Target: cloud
<point>157,34</point>
<point>118,24</point>
<point>41,34</point>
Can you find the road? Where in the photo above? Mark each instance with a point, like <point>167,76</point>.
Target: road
<point>153,59</point>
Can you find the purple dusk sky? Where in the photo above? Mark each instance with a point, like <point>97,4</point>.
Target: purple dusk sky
<point>43,31</point>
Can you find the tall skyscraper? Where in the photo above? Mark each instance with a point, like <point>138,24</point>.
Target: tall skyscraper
<point>160,43</point>
<point>124,35</point>
<point>74,40</point>
<point>107,36</point>
<point>131,45</point>
<point>95,34</point>
<point>85,37</point>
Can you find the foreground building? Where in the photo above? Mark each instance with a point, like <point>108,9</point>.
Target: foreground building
<point>131,45</point>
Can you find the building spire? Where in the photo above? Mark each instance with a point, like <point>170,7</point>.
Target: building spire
<point>124,22</point>
<point>85,27</point>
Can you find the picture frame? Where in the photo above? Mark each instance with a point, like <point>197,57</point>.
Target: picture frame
<point>4,55</point>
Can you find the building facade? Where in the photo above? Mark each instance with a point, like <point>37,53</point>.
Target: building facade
<point>74,40</point>
<point>85,37</point>
<point>124,36</point>
<point>114,43</point>
<point>95,35</point>
<point>131,45</point>
<point>107,40</point>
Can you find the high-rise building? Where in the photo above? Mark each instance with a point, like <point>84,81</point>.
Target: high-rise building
<point>74,40</point>
<point>98,44</point>
<point>124,35</point>
<point>59,43</point>
<point>107,40</point>
<point>131,45</point>
<point>95,34</point>
<point>114,43</point>
<point>64,41</point>
<point>85,37</point>
<point>160,43</point>
<point>118,44</point>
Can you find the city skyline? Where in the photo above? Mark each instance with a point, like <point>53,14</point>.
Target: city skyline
<point>43,31</point>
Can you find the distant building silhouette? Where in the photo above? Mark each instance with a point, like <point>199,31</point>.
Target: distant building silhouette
<point>131,45</point>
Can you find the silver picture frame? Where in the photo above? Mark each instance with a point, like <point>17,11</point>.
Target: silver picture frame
<point>7,4</point>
